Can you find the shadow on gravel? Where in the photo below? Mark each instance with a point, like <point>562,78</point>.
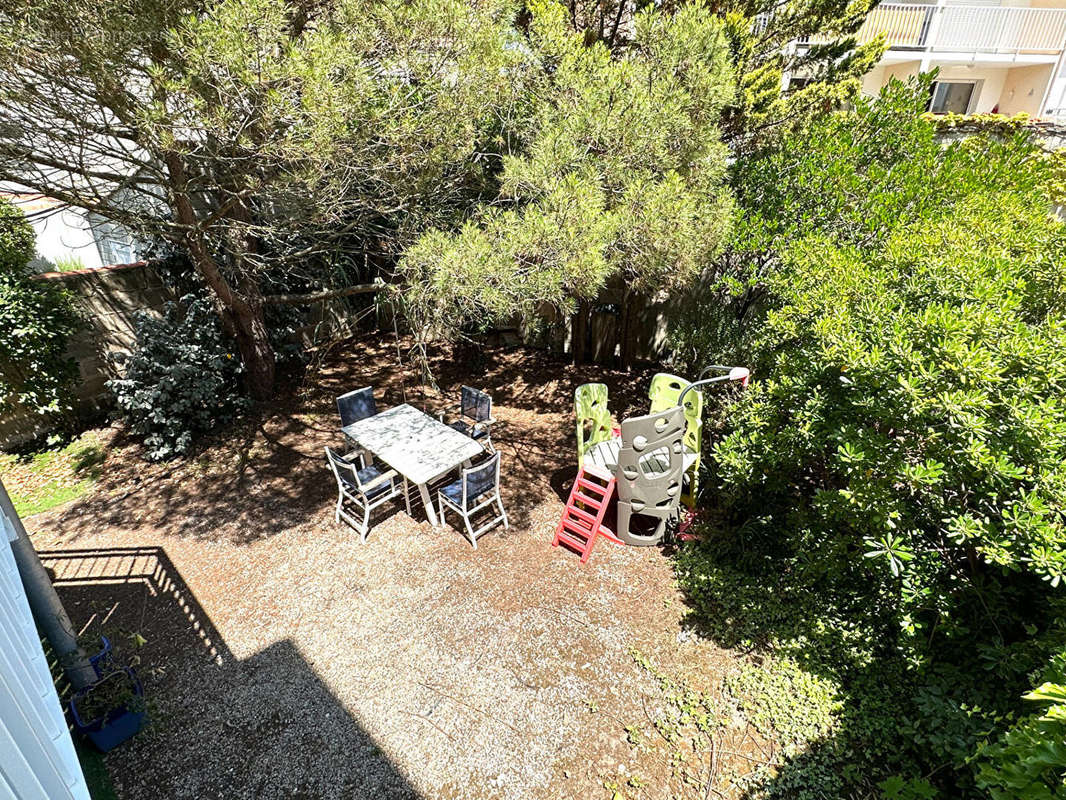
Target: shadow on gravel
<point>265,726</point>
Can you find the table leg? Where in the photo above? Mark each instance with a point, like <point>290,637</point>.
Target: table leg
<point>428,503</point>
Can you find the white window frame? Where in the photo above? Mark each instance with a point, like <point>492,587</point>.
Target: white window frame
<point>971,103</point>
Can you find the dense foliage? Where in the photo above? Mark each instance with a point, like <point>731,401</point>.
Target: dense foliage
<point>258,135</point>
<point>36,320</point>
<point>824,74</point>
<point>18,242</point>
<point>623,177</point>
<point>181,380</point>
<point>780,85</point>
<point>896,476</point>
<point>1028,761</point>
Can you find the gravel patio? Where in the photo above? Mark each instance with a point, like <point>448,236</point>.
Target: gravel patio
<point>285,659</point>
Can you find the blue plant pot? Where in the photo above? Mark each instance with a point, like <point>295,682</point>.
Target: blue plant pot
<point>117,725</point>
<point>104,661</point>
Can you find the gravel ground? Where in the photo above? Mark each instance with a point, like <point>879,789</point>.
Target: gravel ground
<point>286,659</point>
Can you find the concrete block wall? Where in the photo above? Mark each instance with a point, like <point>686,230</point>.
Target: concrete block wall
<point>109,299</point>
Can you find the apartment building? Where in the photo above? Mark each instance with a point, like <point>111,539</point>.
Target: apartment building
<point>70,238</point>
<point>1005,56</point>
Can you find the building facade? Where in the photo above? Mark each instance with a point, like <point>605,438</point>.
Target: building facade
<point>37,758</point>
<point>70,238</point>
<point>1005,56</point>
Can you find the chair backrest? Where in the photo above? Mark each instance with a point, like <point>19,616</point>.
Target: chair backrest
<point>481,478</point>
<point>344,471</point>
<point>593,417</point>
<point>474,404</point>
<point>356,405</point>
<point>664,392</point>
<point>651,461</point>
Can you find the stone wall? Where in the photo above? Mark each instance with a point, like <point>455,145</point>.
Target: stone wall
<point>109,299</point>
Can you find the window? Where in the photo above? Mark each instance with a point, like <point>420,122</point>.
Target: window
<point>113,242</point>
<point>951,98</point>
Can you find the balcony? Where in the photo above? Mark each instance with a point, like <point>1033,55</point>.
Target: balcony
<point>998,30</point>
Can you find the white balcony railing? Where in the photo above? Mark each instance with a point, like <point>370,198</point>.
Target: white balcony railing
<point>985,29</point>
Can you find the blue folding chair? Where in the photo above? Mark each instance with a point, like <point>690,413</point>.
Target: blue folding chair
<point>365,489</point>
<point>478,488</point>
<point>353,407</point>
<point>356,405</point>
<point>475,416</point>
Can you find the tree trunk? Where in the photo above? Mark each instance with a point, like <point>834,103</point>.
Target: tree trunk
<point>241,312</point>
<point>579,327</point>
<point>253,341</point>
<point>627,332</point>
<point>242,316</point>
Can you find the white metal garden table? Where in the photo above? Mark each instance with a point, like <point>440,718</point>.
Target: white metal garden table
<point>414,444</point>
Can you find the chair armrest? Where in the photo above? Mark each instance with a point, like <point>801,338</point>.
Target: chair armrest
<point>382,478</point>
<point>354,457</point>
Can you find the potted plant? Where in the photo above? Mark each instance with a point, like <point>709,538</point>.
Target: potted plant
<point>111,710</point>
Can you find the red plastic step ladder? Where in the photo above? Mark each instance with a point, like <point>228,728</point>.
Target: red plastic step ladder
<point>582,521</point>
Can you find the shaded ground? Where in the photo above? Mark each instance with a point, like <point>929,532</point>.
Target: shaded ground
<point>285,659</point>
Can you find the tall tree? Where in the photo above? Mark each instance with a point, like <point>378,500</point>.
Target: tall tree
<point>623,177</point>
<point>771,43</point>
<point>253,134</point>
<point>814,41</point>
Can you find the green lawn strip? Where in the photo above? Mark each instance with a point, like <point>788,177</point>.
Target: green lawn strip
<point>95,771</point>
<point>38,482</point>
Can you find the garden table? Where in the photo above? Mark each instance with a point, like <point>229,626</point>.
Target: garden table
<point>605,455</point>
<point>416,445</point>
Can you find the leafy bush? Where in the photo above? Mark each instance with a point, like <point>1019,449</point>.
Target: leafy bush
<point>1028,761</point>
<point>18,242</point>
<point>909,421</point>
<point>895,473</point>
<point>36,320</point>
<point>182,380</point>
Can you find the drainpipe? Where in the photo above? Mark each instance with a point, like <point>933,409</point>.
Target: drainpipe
<point>48,611</point>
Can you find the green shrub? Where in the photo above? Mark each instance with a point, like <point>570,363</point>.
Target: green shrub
<point>894,477</point>
<point>909,420</point>
<point>182,380</point>
<point>36,320</point>
<point>1028,761</point>
<point>18,242</point>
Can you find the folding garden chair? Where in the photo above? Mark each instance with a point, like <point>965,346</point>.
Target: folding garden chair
<point>593,418</point>
<point>475,416</point>
<point>353,407</point>
<point>664,392</point>
<point>478,487</point>
<point>365,489</point>
<point>356,405</point>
